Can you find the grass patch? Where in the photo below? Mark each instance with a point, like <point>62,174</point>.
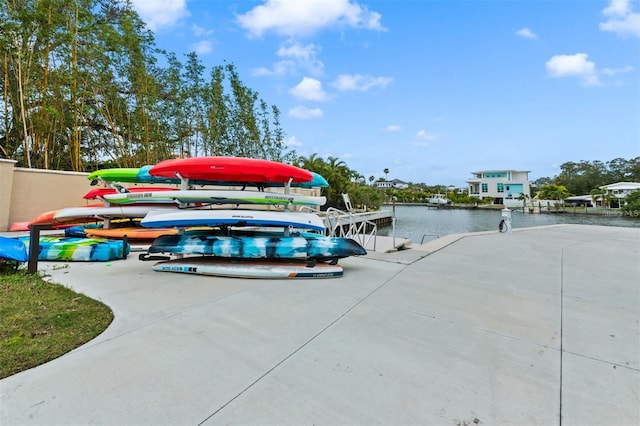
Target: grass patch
<point>40,321</point>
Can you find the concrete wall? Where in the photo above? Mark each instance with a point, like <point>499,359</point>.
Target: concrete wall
<point>26,193</point>
<point>6,183</point>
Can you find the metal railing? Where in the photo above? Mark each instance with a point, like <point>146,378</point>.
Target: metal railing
<point>343,224</point>
<point>435,237</point>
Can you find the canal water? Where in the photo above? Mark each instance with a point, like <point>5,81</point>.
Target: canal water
<point>422,224</point>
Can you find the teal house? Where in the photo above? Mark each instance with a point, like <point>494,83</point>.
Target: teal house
<point>501,185</point>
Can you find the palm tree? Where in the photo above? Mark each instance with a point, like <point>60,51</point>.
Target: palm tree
<point>523,197</point>
<point>312,163</point>
<point>386,172</point>
<point>598,194</point>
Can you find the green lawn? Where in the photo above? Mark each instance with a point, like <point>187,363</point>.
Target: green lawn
<point>40,321</point>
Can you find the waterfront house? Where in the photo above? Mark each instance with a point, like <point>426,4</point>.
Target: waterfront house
<point>394,184</point>
<point>501,185</point>
<point>619,190</point>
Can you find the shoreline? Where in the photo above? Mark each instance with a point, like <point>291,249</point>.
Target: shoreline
<point>587,211</point>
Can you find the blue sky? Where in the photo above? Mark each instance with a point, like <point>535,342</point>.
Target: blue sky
<point>433,90</point>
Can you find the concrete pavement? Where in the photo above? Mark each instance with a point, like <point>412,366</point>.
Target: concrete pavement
<point>538,326</point>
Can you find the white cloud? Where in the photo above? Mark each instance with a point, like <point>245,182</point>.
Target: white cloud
<point>526,33</point>
<point>279,68</point>
<point>359,82</point>
<point>198,31</point>
<point>159,14</point>
<point>422,134</point>
<point>393,128</point>
<point>617,8</point>
<point>304,113</point>
<point>616,71</point>
<point>304,56</point>
<point>304,18</point>
<point>310,89</point>
<point>621,20</point>
<point>202,47</point>
<point>577,65</point>
<point>292,141</point>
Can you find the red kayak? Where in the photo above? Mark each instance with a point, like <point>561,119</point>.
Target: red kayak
<point>231,169</point>
<point>100,192</point>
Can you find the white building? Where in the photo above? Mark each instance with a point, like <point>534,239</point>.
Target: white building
<point>395,184</point>
<point>620,190</point>
<point>499,184</point>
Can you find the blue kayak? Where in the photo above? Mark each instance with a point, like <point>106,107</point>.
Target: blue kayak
<point>308,247</point>
<point>13,249</point>
<point>80,249</point>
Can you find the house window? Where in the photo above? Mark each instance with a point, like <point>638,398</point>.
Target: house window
<point>500,187</point>
<point>485,187</point>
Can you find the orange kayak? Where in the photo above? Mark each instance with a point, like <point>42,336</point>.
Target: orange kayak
<point>132,233</point>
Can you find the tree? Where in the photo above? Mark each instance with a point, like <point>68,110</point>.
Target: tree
<point>553,192</point>
<point>341,180</point>
<point>581,177</point>
<point>386,172</point>
<point>81,89</point>
<point>598,194</point>
<point>632,204</point>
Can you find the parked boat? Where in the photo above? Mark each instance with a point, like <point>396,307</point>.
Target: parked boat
<point>440,199</point>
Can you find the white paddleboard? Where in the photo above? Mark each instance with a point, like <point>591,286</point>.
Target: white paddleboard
<point>232,217</point>
<point>259,268</point>
<point>215,196</point>
<point>134,211</point>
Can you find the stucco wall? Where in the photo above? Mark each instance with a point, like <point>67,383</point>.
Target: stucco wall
<point>26,193</point>
<point>6,183</point>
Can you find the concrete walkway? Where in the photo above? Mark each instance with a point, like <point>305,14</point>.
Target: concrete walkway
<point>539,326</point>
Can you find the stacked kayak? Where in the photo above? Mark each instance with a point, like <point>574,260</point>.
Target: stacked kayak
<point>290,244</point>
<point>13,249</point>
<point>79,249</point>
<point>192,230</point>
<point>301,247</point>
<point>143,175</point>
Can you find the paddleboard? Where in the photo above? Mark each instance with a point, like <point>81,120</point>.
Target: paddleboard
<point>13,249</point>
<point>79,249</point>
<point>234,169</point>
<point>77,214</point>
<point>207,265</point>
<point>258,247</point>
<point>215,196</point>
<point>232,217</point>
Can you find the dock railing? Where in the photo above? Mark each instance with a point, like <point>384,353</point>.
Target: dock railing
<point>346,225</point>
<point>343,224</point>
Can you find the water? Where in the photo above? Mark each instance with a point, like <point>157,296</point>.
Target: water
<point>419,223</point>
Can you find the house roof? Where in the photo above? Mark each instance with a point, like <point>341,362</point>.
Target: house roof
<point>501,170</point>
<point>622,185</point>
<point>579,198</point>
